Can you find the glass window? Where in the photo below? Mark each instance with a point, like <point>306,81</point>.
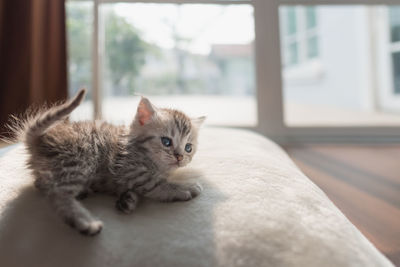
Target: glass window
<point>312,47</point>
<point>394,22</point>
<point>396,72</point>
<point>293,54</point>
<point>291,20</point>
<point>79,48</point>
<point>338,89</point>
<point>193,57</point>
<point>301,37</point>
<point>311,17</point>
<point>394,19</point>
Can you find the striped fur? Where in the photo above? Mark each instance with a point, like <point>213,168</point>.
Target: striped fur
<point>73,159</point>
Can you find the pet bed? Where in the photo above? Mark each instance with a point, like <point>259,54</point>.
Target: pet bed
<point>257,209</point>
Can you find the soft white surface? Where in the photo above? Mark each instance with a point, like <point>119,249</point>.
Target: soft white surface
<point>257,209</point>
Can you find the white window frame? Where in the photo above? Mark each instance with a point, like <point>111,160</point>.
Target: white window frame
<point>268,74</point>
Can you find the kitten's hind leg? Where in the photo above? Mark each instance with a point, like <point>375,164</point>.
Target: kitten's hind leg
<point>127,202</point>
<point>63,199</point>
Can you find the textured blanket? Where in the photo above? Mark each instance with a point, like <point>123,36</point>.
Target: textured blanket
<point>257,209</point>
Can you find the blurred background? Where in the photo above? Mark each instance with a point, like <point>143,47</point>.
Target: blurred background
<point>340,64</point>
<point>195,57</point>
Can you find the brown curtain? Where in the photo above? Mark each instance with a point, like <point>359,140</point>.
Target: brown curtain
<point>33,62</point>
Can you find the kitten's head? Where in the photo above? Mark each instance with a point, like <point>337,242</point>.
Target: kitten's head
<point>169,135</point>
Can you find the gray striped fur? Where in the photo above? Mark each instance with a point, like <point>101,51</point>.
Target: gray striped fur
<point>72,159</point>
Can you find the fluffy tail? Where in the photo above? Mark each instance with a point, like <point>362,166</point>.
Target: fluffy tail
<point>37,126</point>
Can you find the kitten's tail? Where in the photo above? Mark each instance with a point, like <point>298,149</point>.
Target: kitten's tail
<point>41,122</point>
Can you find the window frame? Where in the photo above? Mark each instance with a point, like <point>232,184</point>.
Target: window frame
<point>268,74</point>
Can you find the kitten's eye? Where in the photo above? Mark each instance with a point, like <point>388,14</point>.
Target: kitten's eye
<point>166,141</point>
<point>188,148</point>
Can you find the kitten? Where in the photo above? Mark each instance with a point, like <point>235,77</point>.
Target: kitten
<point>71,159</point>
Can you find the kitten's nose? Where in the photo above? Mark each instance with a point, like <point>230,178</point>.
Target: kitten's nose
<point>178,156</point>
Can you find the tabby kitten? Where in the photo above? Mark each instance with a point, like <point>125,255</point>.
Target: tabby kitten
<point>71,159</point>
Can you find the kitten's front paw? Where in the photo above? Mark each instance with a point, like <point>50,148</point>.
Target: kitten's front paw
<point>181,196</point>
<point>127,202</point>
<point>85,226</point>
<point>190,191</point>
<point>195,189</point>
<point>91,228</point>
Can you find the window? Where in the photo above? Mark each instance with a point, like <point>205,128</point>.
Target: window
<point>394,22</point>
<point>299,32</point>
<point>342,89</point>
<point>194,57</point>
<point>79,43</point>
<point>288,73</point>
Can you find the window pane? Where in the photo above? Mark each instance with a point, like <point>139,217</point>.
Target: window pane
<point>394,18</point>
<point>312,47</point>
<point>194,57</point>
<point>311,17</point>
<point>291,20</point>
<point>396,72</point>
<point>293,54</point>
<point>343,85</point>
<point>79,47</point>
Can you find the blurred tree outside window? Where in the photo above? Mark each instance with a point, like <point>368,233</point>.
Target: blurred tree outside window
<point>135,65</point>
<point>181,55</point>
<point>79,45</point>
<point>125,53</point>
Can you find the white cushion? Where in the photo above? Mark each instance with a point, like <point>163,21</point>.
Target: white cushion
<point>257,209</point>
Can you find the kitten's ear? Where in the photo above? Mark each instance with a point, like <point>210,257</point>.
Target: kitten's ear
<point>145,111</point>
<point>197,122</point>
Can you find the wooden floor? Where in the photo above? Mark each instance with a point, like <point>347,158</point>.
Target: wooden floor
<point>364,182</point>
